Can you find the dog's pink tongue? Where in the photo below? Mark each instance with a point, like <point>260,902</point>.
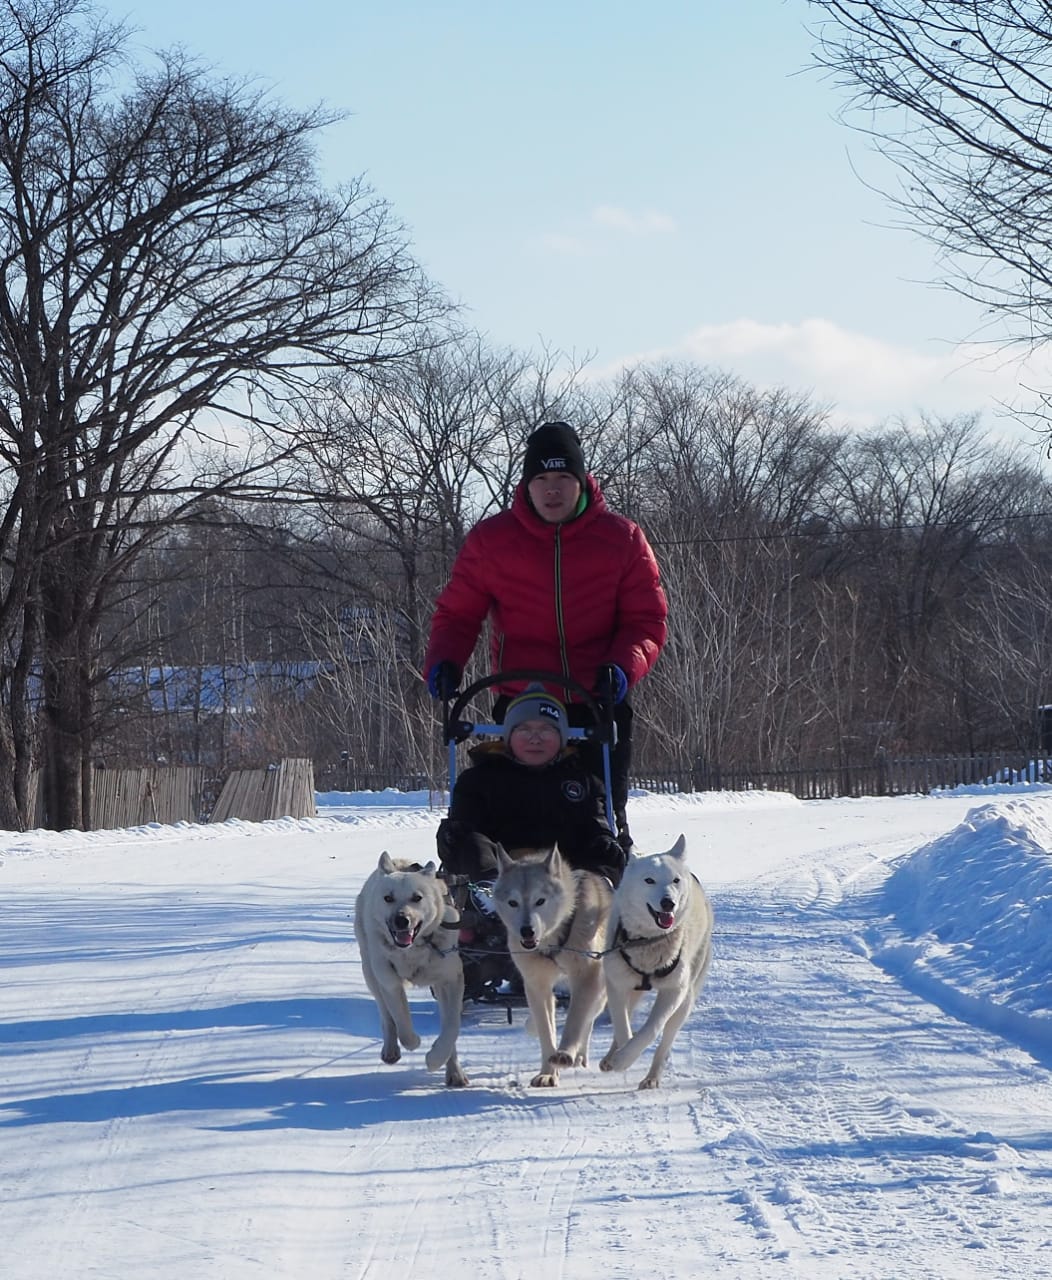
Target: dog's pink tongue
<point>403,938</point>
<point>666,919</point>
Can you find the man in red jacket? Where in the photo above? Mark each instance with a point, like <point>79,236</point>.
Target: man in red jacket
<point>567,585</point>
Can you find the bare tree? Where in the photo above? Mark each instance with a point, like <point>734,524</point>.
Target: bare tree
<point>728,477</point>
<point>956,93</point>
<point>1000,651</point>
<point>398,469</point>
<point>828,595</point>
<point>917,507</point>
<point>363,713</point>
<point>165,248</point>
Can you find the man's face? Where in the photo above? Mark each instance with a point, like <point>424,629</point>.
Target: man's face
<point>555,495</point>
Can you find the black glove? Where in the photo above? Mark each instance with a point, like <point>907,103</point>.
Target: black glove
<point>464,852</point>
<point>442,680</point>
<point>455,858</point>
<point>610,859</point>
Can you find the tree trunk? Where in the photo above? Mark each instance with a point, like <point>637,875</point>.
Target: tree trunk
<point>63,739</point>
<point>64,677</point>
<point>10,818</point>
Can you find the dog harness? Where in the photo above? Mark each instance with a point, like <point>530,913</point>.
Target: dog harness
<point>622,940</point>
<point>560,942</point>
<point>442,951</point>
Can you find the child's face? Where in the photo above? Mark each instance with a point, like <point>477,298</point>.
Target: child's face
<point>534,742</point>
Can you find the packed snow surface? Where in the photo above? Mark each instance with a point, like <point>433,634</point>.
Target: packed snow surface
<point>191,1086</point>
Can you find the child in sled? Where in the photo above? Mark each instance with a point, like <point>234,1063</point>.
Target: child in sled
<point>527,790</point>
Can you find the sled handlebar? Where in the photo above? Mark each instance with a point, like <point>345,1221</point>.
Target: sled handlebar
<point>455,729</point>
<point>604,730</point>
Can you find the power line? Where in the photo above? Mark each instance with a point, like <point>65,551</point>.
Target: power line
<point>838,531</point>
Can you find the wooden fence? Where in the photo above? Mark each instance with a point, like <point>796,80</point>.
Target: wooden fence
<point>882,776</point>
<point>341,778</point>
<point>162,793</point>
<point>282,790</point>
<point>131,797</point>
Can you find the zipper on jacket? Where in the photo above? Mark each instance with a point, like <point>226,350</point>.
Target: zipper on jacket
<point>559,624</point>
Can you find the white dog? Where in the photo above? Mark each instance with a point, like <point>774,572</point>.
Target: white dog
<point>660,940</point>
<point>407,936</point>
<point>556,920</point>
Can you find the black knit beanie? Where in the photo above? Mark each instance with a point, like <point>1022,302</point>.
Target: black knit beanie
<point>554,446</point>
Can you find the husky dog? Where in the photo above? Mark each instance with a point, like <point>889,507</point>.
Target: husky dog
<point>556,920</point>
<point>407,936</point>
<point>660,940</point>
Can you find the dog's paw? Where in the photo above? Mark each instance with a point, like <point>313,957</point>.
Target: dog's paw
<point>546,1080</point>
<point>455,1077</point>
<point>437,1057</point>
<point>390,1056</point>
<point>410,1040</point>
<point>617,1060</point>
<point>560,1058</point>
<point>650,1082</point>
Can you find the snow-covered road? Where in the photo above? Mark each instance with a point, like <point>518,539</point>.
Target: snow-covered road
<point>190,1083</point>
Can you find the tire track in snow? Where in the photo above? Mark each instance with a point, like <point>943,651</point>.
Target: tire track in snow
<point>156,1060</point>
<point>816,1062</point>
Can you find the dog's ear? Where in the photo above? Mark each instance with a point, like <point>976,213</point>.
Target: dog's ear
<point>428,870</point>
<point>501,854</point>
<point>553,861</point>
<point>386,863</point>
<point>679,848</point>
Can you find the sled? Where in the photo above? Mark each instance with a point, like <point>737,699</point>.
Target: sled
<point>490,975</point>
<point>456,729</point>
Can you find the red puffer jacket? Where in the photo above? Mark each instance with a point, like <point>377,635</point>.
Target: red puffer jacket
<point>560,597</point>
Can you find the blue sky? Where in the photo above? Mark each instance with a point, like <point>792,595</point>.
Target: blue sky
<point>666,181</point>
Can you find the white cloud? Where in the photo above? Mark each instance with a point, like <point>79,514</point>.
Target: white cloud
<point>584,240</point>
<point>865,379</point>
<point>649,222</point>
<point>572,246</point>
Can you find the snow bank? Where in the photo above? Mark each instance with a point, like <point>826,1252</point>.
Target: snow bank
<point>970,919</point>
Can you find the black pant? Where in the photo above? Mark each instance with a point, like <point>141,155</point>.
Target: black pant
<point>580,717</point>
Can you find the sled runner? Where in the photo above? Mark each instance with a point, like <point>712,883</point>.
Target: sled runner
<point>490,975</point>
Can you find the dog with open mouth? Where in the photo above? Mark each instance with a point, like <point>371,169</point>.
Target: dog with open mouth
<point>555,916</point>
<point>406,929</point>
<point>659,940</point>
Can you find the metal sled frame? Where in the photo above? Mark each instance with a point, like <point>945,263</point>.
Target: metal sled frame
<point>456,729</point>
